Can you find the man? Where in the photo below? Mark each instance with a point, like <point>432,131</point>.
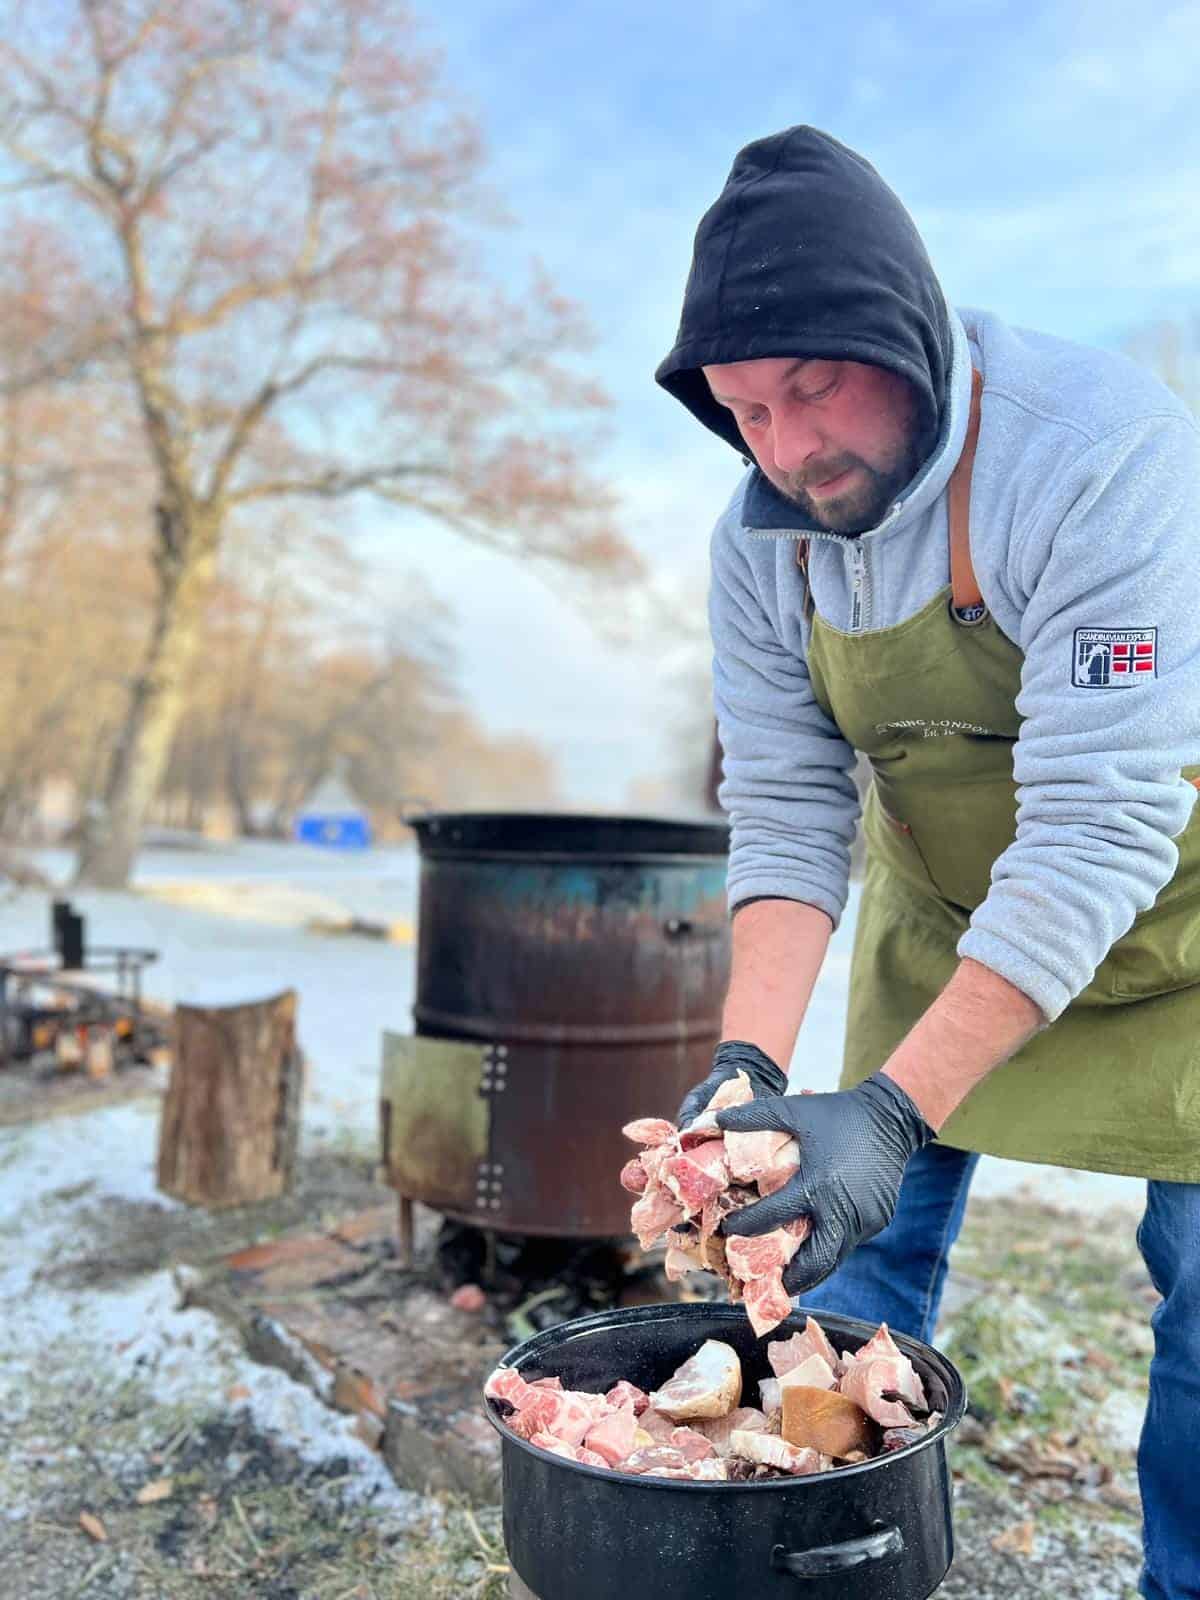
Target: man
<point>969,552</point>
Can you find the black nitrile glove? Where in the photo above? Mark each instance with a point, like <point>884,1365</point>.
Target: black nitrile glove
<point>854,1147</point>
<point>730,1058</point>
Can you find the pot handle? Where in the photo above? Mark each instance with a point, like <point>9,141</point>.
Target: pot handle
<point>882,1546</point>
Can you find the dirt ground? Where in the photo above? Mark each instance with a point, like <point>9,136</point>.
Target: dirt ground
<point>112,1489</point>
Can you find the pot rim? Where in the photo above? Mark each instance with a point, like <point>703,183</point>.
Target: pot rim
<point>724,1314</point>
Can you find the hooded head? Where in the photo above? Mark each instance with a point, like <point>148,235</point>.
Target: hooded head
<point>808,254</point>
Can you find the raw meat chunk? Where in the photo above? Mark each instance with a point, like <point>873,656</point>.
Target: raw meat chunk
<point>718,1429</point>
<point>767,1304</point>
<point>683,1175</point>
<point>633,1176</point>
<point>698,1176</point>
<point>762,1255</point>
<point>735,1091</point>
<point>659,1428</point>
<point>505,1383</point>
<point>771,1395</point>
<point>655,1458</point>
<point>751,1154</point>
<point>711,1469</point>
<point>784,1354</point>
<point>772,1451</point>
<point>690,1442</point>
<point>613,1436</point>
<point>547,1441</point>
<point>653,1214</point>
<point>628,1394</point>
<point>781,1170</point>
<point>707,1385</point>
<point>649,1130</point>
<point>867,1382</point>
<point>813,1373</point>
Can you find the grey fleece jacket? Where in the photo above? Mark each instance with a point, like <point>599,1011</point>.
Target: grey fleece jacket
<point>1085,515</point>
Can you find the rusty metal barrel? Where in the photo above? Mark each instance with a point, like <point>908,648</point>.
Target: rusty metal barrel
<point>570,976</point>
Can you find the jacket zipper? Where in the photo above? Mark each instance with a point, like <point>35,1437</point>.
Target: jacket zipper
<point>860,587</point>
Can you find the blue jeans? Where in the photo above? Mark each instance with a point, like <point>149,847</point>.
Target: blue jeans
<point>898,1278</point>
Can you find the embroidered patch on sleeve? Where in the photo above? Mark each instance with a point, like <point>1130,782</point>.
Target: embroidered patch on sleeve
<point>1106,658</point>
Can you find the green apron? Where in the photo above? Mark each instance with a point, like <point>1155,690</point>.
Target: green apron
<point>1113,1085</point>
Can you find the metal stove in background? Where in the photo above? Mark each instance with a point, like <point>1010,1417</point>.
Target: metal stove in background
<point>570,976</point>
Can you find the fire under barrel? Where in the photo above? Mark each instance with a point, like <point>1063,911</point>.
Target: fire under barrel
<point>570,976</point>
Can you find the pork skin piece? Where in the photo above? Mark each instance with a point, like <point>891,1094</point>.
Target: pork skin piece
<point>718,1430</point>
<point>784,1354</point>
<point>633,1176</point>
<point>709,1384</point>
<point>653,1214</point>
<point>624,1393</point>
<point>751,1154</point>
<point>700,1175</point>
<point>819,1419</point>
<point>649,1130</point>
<point>771,1451</point>
<point>569,1452</point>
<point>812,1373</point>
<point>866,1383</point>
<point>612,1437</point>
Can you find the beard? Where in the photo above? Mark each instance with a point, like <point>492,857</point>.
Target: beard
<point>868,494</point>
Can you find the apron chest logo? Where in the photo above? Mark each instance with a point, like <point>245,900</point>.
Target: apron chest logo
<point>1106,658</point>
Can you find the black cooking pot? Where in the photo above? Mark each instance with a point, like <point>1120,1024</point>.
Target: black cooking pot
<point>878,1531</point>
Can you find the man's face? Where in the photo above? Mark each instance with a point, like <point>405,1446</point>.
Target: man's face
<point>839,438</point>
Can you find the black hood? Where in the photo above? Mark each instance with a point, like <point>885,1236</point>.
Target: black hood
<point>807,252</point>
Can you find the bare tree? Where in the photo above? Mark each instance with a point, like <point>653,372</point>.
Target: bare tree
<point>282,236</point>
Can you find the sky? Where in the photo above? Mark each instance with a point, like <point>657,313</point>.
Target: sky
<point>1049,151</point>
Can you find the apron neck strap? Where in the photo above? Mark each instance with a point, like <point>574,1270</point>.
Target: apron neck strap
<point>963,585</point>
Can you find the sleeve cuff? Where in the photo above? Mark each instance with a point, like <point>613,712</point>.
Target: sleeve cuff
<point>1046,989</point>
<point>748,889</point>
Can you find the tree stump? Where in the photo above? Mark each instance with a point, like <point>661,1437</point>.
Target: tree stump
<point>231,1116</point>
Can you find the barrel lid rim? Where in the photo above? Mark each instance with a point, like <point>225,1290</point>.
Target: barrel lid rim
<point>549,831</point>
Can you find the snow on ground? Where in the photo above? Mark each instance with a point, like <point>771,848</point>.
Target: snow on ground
<point>350,989</point>
<point>50,1172</point>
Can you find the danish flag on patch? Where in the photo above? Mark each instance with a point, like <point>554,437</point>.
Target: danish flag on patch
<point>1106,658</point>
